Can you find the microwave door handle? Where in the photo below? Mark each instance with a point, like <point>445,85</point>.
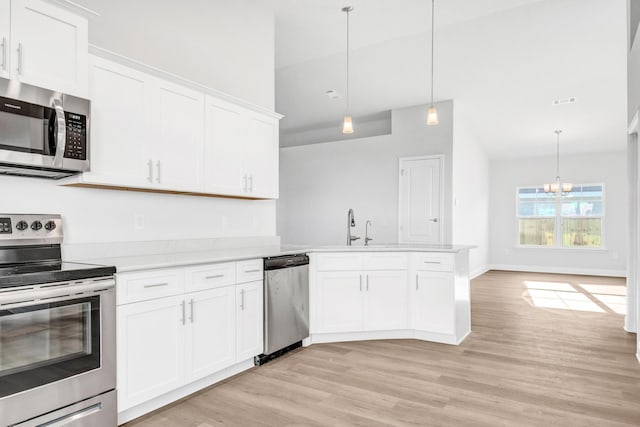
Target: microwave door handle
<point>61,134</point>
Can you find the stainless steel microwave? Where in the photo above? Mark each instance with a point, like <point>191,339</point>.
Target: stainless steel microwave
<point>42,133</point>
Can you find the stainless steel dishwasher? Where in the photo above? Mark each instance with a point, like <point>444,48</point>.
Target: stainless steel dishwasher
<point>286,305</point>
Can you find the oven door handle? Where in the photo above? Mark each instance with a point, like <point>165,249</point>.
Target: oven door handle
<point>61,134</point>
<point>31,296</point>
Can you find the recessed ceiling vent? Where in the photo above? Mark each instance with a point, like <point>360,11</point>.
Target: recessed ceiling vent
<point>564,101</point>
<point>333,94</point>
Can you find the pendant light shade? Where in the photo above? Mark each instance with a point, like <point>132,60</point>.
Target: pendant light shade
<point>558,185</point>
<point>432,113</point>
<point>347,123</point>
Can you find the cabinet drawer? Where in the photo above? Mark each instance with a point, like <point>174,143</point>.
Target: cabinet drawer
<point>210,276</point>
<point>339,262</point>
<point>432,261</point>
<point>385,261</point>
<point>147,285</point>
<point>249,271</point>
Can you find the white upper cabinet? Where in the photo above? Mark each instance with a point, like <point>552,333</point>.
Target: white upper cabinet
<point>48,47</point>
<point>5,38</point>
<point>261,156</point>
<point>224,148</point>
<point>120,122</point>
<point>178,140</point>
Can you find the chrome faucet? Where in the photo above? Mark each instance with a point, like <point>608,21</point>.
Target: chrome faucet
<point>351,222</point>
<point>367,239</point>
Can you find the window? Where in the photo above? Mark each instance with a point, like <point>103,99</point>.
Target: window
<point>570,220</point>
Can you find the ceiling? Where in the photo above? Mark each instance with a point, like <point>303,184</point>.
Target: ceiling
<point>503,62</point>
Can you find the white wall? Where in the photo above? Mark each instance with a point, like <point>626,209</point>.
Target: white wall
<point>507,174</point>
<point>633,76</point>
<point>92,215</point>
<point>222,44</point>
<point>470,193</point>
<point>320,182</point>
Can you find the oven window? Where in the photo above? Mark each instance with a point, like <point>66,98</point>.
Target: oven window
<point>23,133</point>
<point>44,343</point>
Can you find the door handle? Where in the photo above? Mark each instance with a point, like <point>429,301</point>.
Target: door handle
<point>61,135</point>
<point>4,53</point>
<point>191,310</point>
<point>150,175</point>
<point>158,170</point>
<point>19,68</point>
<point>433,219</point>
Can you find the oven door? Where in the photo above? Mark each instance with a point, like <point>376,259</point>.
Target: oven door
<point>57,348</point>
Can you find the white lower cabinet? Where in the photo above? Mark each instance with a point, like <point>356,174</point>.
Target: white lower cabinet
<point>166,341</point>
<point>150,340</point>
<point>433,302</point>
<point>211,335</point>
<point>353,301</point>
<point>249,319</point>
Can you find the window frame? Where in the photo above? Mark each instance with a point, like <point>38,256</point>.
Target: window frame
<point>559,221</point>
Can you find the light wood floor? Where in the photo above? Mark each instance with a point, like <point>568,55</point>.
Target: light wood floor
<point>522,365</point>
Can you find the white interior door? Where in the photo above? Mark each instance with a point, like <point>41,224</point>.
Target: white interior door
<point>420,213</point>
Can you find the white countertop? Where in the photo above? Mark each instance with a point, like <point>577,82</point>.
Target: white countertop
<point>177,259</point>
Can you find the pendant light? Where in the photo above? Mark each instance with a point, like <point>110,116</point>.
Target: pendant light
<point>432,113</point>
<point>347,124</point>
<point>558,185</point>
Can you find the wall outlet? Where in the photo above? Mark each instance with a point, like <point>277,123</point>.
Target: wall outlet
<point>138,221</point>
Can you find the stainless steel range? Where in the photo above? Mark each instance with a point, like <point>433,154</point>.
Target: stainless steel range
<point>57,330</point>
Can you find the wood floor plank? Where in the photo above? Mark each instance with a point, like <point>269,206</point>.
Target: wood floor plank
<point>525,363</point>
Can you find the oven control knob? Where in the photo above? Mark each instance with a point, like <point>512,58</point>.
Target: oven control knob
<point>36,225</point>
<point>50,226</point>
<point>22,225</point>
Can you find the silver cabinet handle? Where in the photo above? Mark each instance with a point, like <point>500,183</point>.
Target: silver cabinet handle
<point>158,170</point>
<point>417,282</point>
<point>61,135</point>
<point>156,285</point>
<point>150,175</point>
<point>4,53</point>
<point>252,271</point>
<point>432,262</point>
<point>19,68</point>
<point>251,183</point>
<point>182,319</point>
<point>242,299</point>
<point>361,283</point>
<point>244,186</point>
<point>191,310</point>
<point>367,283</point>
<point>216,276</point>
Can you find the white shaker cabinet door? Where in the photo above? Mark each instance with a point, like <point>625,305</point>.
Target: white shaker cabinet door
<point>385,306</point>
<point>249,320</point>
<point>339,301</point>
<point>5,38</point>
<point>433,302</point>
<point>178,137</point>
<point>120,115</point>
<point>49,47</point>
<point>261,156</point>
<point>211,331</point>
<point>224,139</point>
<point>150,346</point>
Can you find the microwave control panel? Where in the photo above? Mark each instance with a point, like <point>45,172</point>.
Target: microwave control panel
<point>76,147</point>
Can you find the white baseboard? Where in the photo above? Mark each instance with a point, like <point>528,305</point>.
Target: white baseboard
<point>559,270</point>
<point>451,339</point>
<point>479,272</point>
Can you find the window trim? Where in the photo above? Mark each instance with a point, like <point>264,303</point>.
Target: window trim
<point>558,227</point>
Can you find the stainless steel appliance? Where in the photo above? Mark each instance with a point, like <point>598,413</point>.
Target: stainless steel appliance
<point>57,330</point>
<point>42,133</point>
<point>286,304</point>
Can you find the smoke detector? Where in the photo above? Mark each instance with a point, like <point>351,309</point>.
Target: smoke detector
<point>332,94</point>
<point>564,101</point>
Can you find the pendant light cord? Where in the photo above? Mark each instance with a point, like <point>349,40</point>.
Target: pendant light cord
<point>432,44</point>
<point>347,111</point>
